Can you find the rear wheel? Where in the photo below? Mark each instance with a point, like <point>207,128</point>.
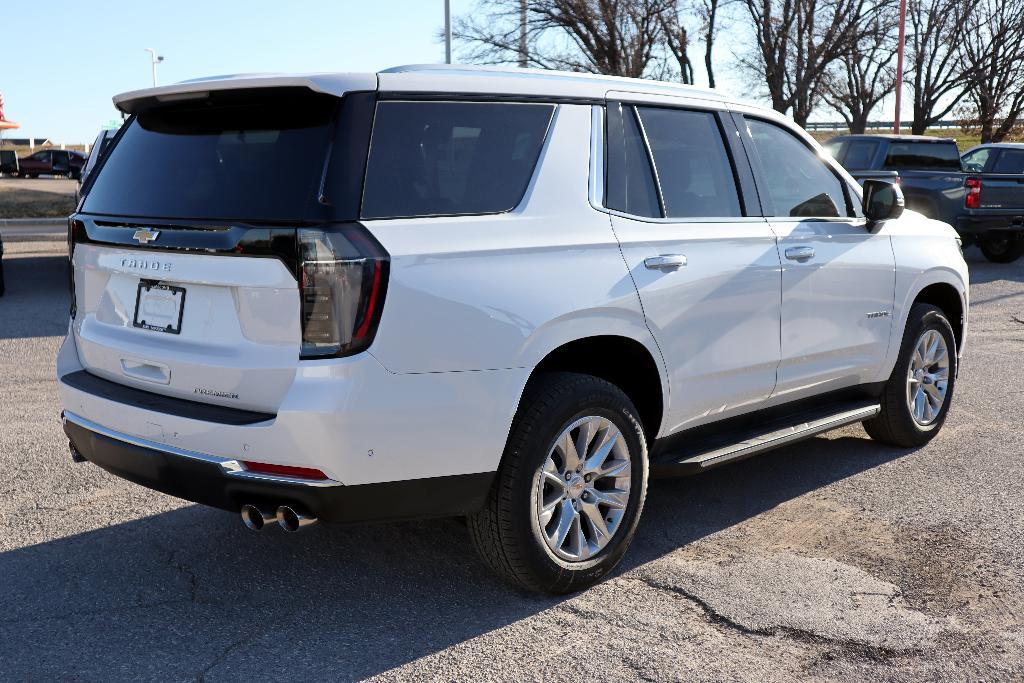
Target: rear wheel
<point>1001,246</point>
<point>917,395</point>
<point>568,496</point>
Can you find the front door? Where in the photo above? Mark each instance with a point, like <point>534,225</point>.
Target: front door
<point>838,277</point>
<point>702,258</point>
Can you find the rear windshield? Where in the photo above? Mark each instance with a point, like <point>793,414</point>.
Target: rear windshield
<point>923,156</point>
<point>230,156</point>
<point>451,158</point>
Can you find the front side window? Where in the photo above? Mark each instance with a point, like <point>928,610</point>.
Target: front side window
<point>693,167</point>
<point>974,162</point>
<point>451,158</point>
<point>798,182</point>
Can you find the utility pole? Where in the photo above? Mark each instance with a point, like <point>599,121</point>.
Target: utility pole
<point>899,65</point>
<point>524,53</point>
<point>154,59</point>
<point>447,32</point>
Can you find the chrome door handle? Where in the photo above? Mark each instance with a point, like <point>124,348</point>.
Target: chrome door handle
<point>799,253</point>
<point>665,262</point>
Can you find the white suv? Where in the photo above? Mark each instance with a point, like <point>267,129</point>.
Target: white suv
<point>502,294</point>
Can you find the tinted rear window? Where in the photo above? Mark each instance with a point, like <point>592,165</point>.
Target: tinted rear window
<point>232,156</point>
<point>923,156</point>
<point>451,158</point>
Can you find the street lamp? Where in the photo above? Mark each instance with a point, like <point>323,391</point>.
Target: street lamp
<point>156,59</point>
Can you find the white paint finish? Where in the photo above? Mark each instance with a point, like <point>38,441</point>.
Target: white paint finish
<point>716,319</point>
<point>828,340</point>
<point>926,253</point>
<point>239,331</point>
<point>335,413</point>
<point>501,291</point>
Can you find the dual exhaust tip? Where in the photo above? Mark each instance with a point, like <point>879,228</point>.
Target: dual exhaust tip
<point>287,517</point>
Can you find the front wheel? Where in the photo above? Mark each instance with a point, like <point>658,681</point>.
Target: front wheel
<point>917,395</point>
<point>568,495</point>
<point>1001,247</point>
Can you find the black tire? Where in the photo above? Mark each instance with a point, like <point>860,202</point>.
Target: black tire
<point>1001,247</point>
<point>895,424</point>
<point>506,532</point>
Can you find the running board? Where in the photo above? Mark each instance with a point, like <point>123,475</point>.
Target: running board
<point>679,463</point>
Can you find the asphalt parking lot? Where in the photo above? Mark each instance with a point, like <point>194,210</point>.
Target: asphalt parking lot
<point>835,558</point>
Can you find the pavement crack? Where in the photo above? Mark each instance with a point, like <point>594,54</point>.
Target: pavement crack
<point>225,653</point>
<point>876,653</point>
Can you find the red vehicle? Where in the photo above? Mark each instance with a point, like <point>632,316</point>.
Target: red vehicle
<point>53,162</point>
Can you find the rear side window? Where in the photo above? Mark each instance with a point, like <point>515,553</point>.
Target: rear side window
<point>451,158</point>
<point>799,183</point>
<point>693,167</point>
<point>924,156</point>
<point>256,155</point>
<point>631,187</point>
<point>1010,161</point>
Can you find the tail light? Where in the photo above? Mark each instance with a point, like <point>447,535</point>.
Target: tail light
<point>343,274</point>
<point>973,199</point>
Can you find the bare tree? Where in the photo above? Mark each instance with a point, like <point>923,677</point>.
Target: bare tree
<point>935,70</point>
<point>634,38</point>
<point>677,40</point>
<point>864,75</point>
<point>710,13</point>
<point>992,53</point>
<point>796,43</point>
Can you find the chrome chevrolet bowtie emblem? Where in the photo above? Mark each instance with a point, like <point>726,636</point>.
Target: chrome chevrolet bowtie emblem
<point>145,236</point>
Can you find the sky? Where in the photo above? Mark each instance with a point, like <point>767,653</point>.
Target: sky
<point>61,61</point>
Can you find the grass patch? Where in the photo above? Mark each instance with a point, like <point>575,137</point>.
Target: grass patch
<point>20,203</point>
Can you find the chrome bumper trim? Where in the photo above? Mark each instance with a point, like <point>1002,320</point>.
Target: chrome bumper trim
<point>229,466</point>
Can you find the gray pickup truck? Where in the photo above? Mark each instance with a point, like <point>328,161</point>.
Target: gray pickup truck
<point>981,194</point>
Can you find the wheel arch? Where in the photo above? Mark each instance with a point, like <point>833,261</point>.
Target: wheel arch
<point>946,297</point>
<point>625,362</point>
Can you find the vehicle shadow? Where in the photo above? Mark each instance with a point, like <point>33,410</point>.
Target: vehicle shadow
<point>190,593</point>
<point>36,300</point>
<point>982,270</point>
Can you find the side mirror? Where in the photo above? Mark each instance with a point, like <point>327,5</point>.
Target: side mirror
<point>883,200</point>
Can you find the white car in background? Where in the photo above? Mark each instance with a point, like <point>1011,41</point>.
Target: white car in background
<point>503,294</point>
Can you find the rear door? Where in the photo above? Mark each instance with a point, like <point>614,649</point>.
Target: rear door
<point>702,257</point>
<point>1003,182</point>
<point>838,278</point>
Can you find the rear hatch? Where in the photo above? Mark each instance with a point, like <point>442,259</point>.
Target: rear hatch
<point>213,249</point>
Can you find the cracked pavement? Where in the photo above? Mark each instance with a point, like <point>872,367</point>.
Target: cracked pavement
<point>836,558</point>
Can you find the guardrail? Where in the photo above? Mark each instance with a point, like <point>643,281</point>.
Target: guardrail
<point>876,125</point>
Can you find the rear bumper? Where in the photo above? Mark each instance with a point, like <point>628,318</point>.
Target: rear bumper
<point>975,225</point>
<point>224,483</point>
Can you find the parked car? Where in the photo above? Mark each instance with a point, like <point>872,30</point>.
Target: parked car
<point>57,162</point>
<point>8,162</point>
<point>495,293</point>
<point>985,206</point>
<point>99,146</point>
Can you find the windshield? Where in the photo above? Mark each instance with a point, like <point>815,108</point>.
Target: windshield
<point>232,155</point>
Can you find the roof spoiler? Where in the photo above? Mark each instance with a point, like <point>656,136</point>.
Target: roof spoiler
<point>330,84</point>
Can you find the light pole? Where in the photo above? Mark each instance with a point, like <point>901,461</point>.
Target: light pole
<point>155,59</point>
<point>447,32</point>
<point>899,65</point>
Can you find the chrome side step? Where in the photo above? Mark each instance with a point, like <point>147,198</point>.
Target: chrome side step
<point>773,439</point>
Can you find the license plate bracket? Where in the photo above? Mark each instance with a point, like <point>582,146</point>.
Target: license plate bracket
<point>159,307</point>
